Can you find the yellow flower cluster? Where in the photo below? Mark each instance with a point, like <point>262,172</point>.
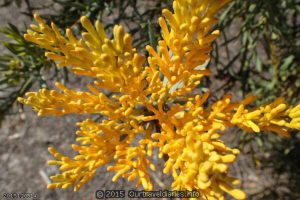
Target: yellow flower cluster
<point>151,107</point>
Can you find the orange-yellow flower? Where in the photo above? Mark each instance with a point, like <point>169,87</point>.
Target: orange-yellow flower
<point>152,104</point>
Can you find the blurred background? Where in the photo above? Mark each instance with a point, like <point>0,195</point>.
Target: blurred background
<point>258,53</point>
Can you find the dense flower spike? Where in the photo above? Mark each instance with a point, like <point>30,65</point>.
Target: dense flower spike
<point>54,103</point>
<point>115,62</point>
<point>151,106</point>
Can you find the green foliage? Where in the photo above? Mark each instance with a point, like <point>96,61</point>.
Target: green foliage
<point>20,68</point>
<point>262,48</point>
